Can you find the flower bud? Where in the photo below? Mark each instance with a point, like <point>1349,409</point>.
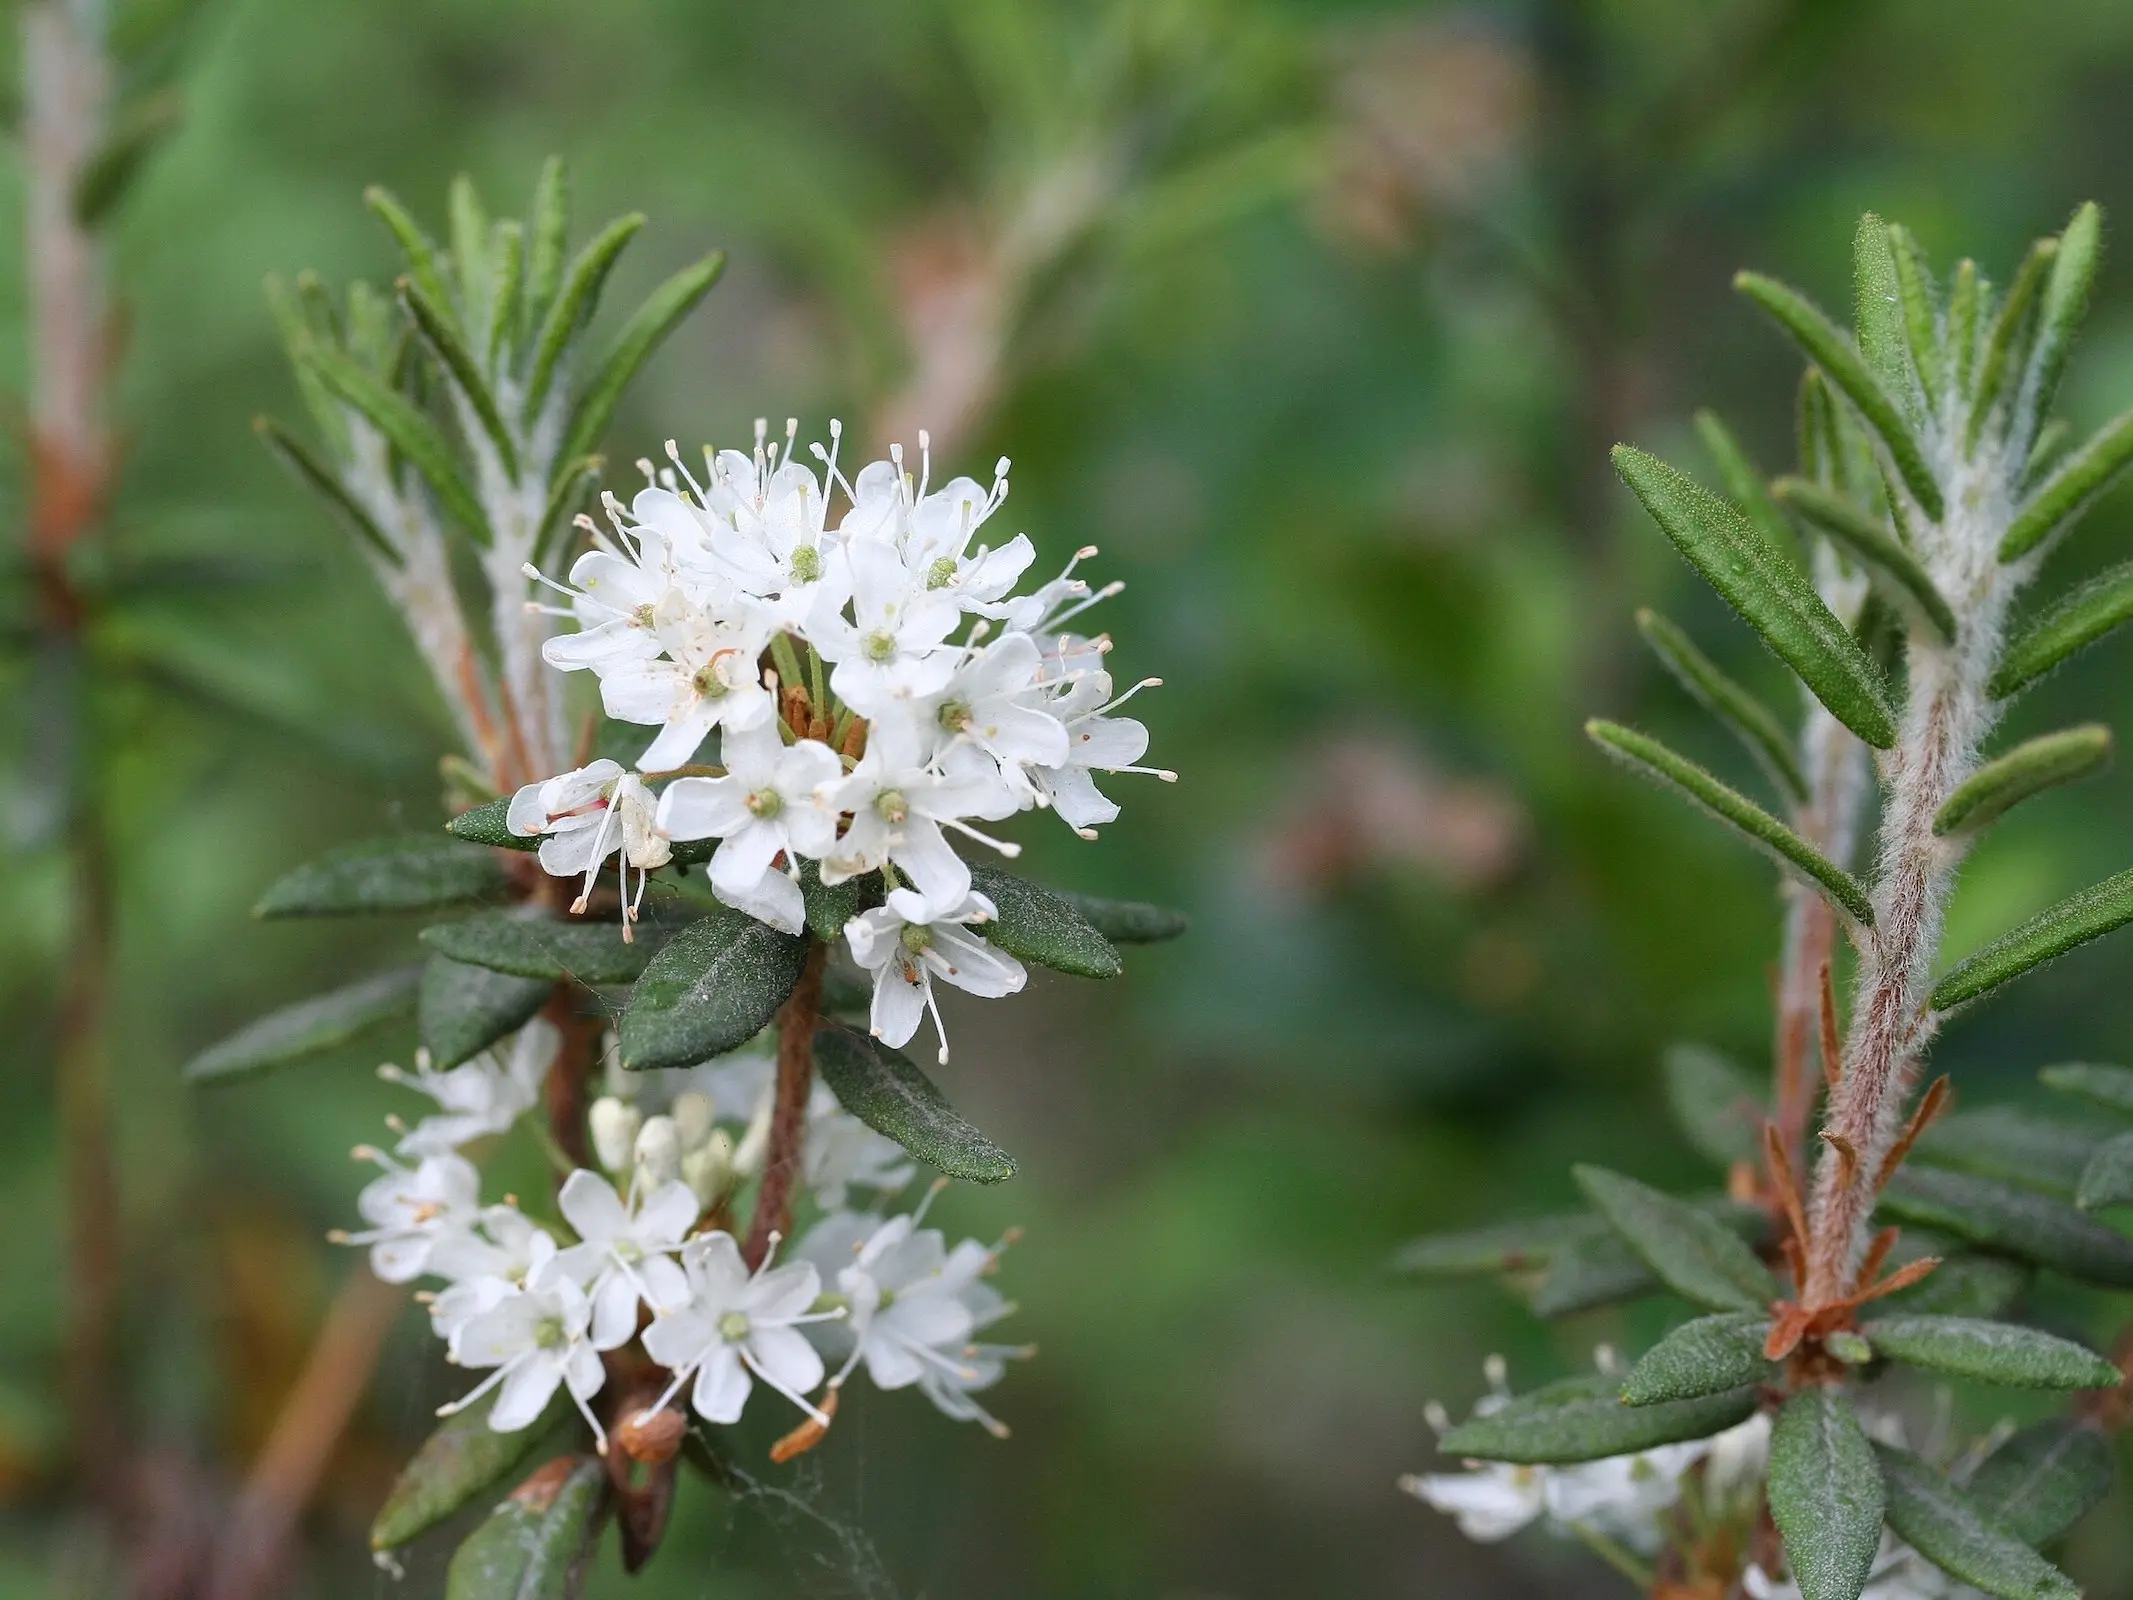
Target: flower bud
<point>614,1126</point>
<point>709,1167</point>
<point>658,1152</point>
<point>692,1112</point>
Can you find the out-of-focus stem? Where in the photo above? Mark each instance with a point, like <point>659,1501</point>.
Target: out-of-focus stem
<point>570,1078</point>
<point>797,1022</point>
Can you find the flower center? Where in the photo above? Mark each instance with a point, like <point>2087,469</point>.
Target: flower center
<point>806,564</point>
<point>627,1252</point>
<point>765,803</point>
<point>643,615</point>
<point>955,717</point>
<point>548,1333</point>
<point>709,684</point>
<point>916,937</point>
<point>880,645</point>
<point>891,806</point>
<point>733,1326</point>
<point>941,573</point>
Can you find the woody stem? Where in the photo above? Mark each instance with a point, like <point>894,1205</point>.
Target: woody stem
<point>797,1021</point>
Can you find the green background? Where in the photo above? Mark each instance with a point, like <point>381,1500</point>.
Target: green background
<point>1328,368</point>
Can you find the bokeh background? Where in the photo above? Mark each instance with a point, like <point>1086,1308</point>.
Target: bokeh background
<point>1318,317</point>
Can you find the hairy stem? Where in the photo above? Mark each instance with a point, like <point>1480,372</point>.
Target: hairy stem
<point>797,1022</point>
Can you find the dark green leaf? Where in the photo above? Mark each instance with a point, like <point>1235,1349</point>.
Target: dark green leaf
<point>2106,1085</point>
<point>315,475</point>
<point>1791,852</point>
<point>884,1090</point>
<point>551,231</point>
<point>1708,1356</point>
<point>2066,298</point>
<point>2064,498</point>
<point>830,907</point>
<point>1914,289</point>
<point>470,246</point>
<point>536,1544</point>
<point>1716,1102</point>
<point>416,872</point>
<point>1746,717</point>
<point>716,985</point>
<point>1965,1286</point>
<point>1868,539</point>
<point>1743,482</point>
<point>416,245</point>
<point>1959,1536</point>
<point>1826,1495</point>
<point>324,1022</point>
<point>414,435</point>
<point>443,337</point>
<point>2052,442</point>
<point>2024,1147</point>
<point>1037,925</point>
<point>1694,1254</point>
<point>2014,1221</point>
<point>2043,1480</point>
<point>1878,315</point>
<point>1768,591</point>
<point>1841,364</point>
<point>1966,296</point>
<point>113,166</point>
<point>1499,1247</point>
<point>660,314</point>
<point>575,303</point>
<point>2069,626</point>
<point>507,255</point>
<point>1992,1352</point>
<point>1127,921</point>
<point>538,945</point>
<point>2107,1180</point>
<point>1583,1419</point>
<point>2030,768</point>
<point>457,1462</point>
<point>2050,934</point>
<point>2005,345</point>
<point>1585,1273</point>
<point>465,1009</point>
<point>489,823</point>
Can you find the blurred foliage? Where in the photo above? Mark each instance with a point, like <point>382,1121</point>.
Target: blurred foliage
<point>1318,317</point>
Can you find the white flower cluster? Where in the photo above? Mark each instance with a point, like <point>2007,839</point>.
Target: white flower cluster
<point>537,1304</point>
<point>908,695</point>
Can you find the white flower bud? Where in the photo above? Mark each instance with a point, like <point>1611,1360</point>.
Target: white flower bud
<point>708,1169</point>
<point>658,1152</point>
<point>692,1112</point>
<point>614,1126</point>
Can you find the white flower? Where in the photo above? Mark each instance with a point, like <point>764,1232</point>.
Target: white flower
<point>478,1097</point>
<point>707,678</point>
<point>737,1326</point>
<point>898,805</point>
<point>1096,742</point>
<point>893,646</point>
<point>614,1125</point>
<point>485,1265</point>
<point>413,1211</point>
<point>537,1337</point>
<point>906,944</point>
<point>623,1258</point>
<point>762,808</point>
<point>991,703</point>
<point>588,814</point>
<point>767,531</point>
<point>840,1153</point>
<point>1490,1503</point>
<point>937,545</point>
<point>615,598</point>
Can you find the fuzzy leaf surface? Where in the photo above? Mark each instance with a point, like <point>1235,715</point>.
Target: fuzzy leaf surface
<point>463,1457</point>
<point>1959,1536</point>
<point>1716,1102</point>
<point>2069,626</point>
<point>831,906</point>
<point>716,985</point>
<point>488,823</point>
<point>1127,921</point>
<point>2024,1147</point>
<point>308,1028</point>
<point>1745,717</point>
<point>1826,1494</point>
<point>2043,1480</point>
<point>2029,768</point>
<point>412,433</point>
<point>1992,1352</point>
<point>550,947</point>
<point>1037,925</point>
<point>1583,1419</point>
<point>1744,484</point>
<point>464,1009</point>
<point>537,1543</point>
<point>2048,935</point>
<point>2066,299</point>
<point>2009,1220</point>
<point>1693,1254</point>
<point>1869,540</point>
<point>883,1089</point>
<point>1710,1355</point>
<point>2092,1080</point>
<point>1966,1285</point>
<point>2107,1180</point>
<point>415,872</point>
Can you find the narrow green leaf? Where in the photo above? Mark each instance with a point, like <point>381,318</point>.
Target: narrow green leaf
<point>2010,333</point>
<point>1127,921</point>
<point>1868,540</point>
<point>1966,302</point>
<point>1956,1534</point>
<point>1583,1419</point>
<point>1746,717</point>
<point>575,303</point>
<point>489,824</point>
<point>457,1462</point>
<point>2025,1147</point>
<point>2066,300</point>
<point>1744,483</point>
<point>1841,363</point>
<point>1768,591</point>
<point>1826,1495</point>
<point>507,256</point>
<point>1035,924</point>
<point>111,169</point>
<point>1585,1271</point>
<point>1816,430</point>
<point>308,1028</point>
<point>2064,497</point>
<point>2108,1178</point>
<point>1729,805</point>
<point>660,314</point>
<point>717,984</point>
<point>411,433</point>
<point>1965,1286</point>
<point>537,1543</point>
<point>2069,626</point>
<point>573,481</point>
<point>315,475</point>
<point>1993,1352</point>
<point>464,1009</point>
<point>1878,315</point>
<point>830,907</point>
<point>2106,1085</point>
<point>882,1088</point>
<point>416,245</point>
<point>1696,1256</point>
<point>1716,1102</point>
<point>2030,768</point>
<point>551,233</point>
<point>1708,1356</point>
<point>2011,1220</point>
<point>2052,442</point>
<point>1500,1247</point>
<point>2051,933</point>
<point>1914,287</point>
<point>538,945</point>
<point>414,872</point>
<point>443,337</point>
<point>470,249</point>
<point>2043,1480</point>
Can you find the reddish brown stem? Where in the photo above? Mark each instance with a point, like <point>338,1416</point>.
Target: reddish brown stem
<point>797,1022</point>
<point>570,1079</point>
